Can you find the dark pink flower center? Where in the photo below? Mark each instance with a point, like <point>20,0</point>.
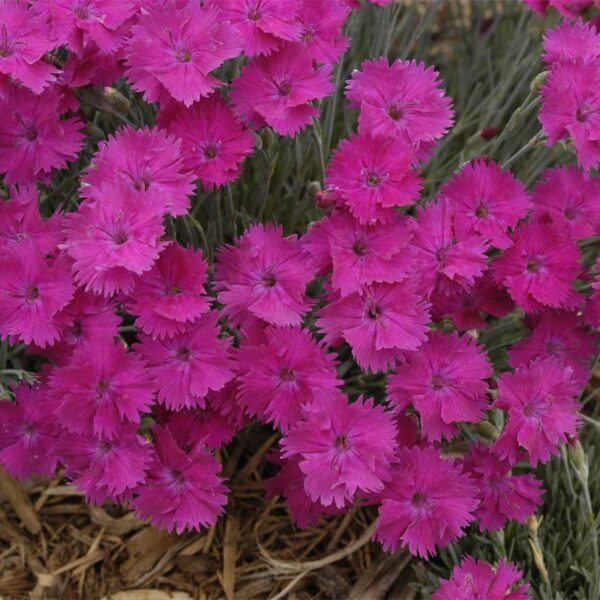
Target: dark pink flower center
<point>372,180</point>
<point>481,211</point>
<point>120,237</point>
<point>184,353</point>
<point>308,34</point>
<point>284,87</point>
<point>437,382</point>
<point>533,265</point>
<point>32,293</point>
<point>287,374</point>
<point>269,280</point>
<point>5,46</point>
<point>102,386</point>
<point>142,183</point>
<point>76,329</point>
<point>419,499</point>
<point>583,112</point>
<point>374,312</point>
<point>359,248</point>
<point>210,151</point>
<point>570,213</point>
<point>341,441</point>
<point>254,14</point>
<point>395,112</point>
<point>183,56</point>
<point>81,12</point>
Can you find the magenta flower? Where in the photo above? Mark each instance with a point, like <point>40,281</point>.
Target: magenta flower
<point>92,66</point>
<point>285,376</point>
<point>570,42</point>
<point>264,274</point>
<point>444,259</point>
<point>278,90</point>
<point>173,48</point>
<point>32,291</point>
<point>34,140</point>
<point>76,23</point>
<point>28,433</point>
<point>344,448</point>
<point>205,426</point>
<point>182,491</point>
<point>569,199</point>
<point>539,268</point>
<point>114,238</point>
<point>105,469</point>
<point>403,100</point>
<point>427,502</point>
<point>169,296</point>
<point>563,336</point>
<point>445,382</point>
<point>379,324</point>
<point>24,41</point>
<point>486,200</point>
<point>215,142</point>
<point>542,411</point>
<point>477,579</point>
<point>503,497</point>
<point>571,108</point>
<point>262,24</point>
<point>189,364</point>
<point>99,396</point>
<point>142,159</point>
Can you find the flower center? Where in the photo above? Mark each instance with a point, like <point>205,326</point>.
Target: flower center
<point>102,386</point>
<point>533,266</point>
<point>308,35</point>
<point>287,374</point>
<point>481,211</point>
<point>374,312</point>
<point>254,14</point>
<point>32,293</point>
<point>372,180</point>
<point>210,152</point>
<point>120,237</point>
<point>419,499</point>
<point>183,56</point>
<point>81,12</point>
<point>583,113</point>
<point>341,441</point>
<point>570,213</point>
<point>395,112</point>
<point>269,280</point>
<point>359,247</point>
<point>143,183</point>
<point>76,329</point>
<point>554,347</point>
<point>284,87</point>
<point>184,353</point>
<point>437,382</point>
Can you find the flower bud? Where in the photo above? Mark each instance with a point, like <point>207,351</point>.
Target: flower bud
<point>538,82</point>
<point>116,99</point>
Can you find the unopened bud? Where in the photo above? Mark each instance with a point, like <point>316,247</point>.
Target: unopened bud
<point>538,82</point>
<point>579,460</point>
<point>313,188</point>
<point>116,99</point>
<point>267,137</point>
<point>488,431</point>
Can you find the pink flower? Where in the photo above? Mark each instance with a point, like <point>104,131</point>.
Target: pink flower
<point>379,324</point>
<point>189,364</point>
<point>371,174</point>
<point>486,200</point>
<point>24,41</point>
<point>32,291</point>
<point>173,48</point>
<point>445,382</point>
<point>92,66</point>
<point>34,140</point>
<point>571,108</point>
<point>77,22</point>
<point>28,433</point>
<point>542,411</point>
<point>169,296</point>
<point>278,90</point>
<point>215,142</point>
<point>570,199</point>
<point>114,238</point>
<point>142,159</point>
<point>568,42</point>
<point>477,579</point>
<point>560,335</point>
<point>539,268</point>
<point>444,259</point>
<point>182,491</point>
<point>502,496</point>
<point>105,469</point>
<point>286,375</point>
<point>427,502</point>
<point>404,100</point>
<point>99,396</point>
<point>205,426</point>
<point>264,274</point>
<point>262,24</point>
<point>344,448</point>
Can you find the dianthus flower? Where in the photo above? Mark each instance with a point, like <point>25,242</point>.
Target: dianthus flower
<point>344,448</point>
<point>570,199</point>
<point>24,41</point>
<point>173,48</point>
<point>75,23</point>
<point>182,491</point>
<point>569,42</point>
<point>189,364</point>
<point>404,99</point>
<point>142,159</point>
<point>105,469</point>
<point>32,291</point>
<point>444,259</point>
<point>571,108</point>
<point>91,66</point>
<point>360,254</point>
<point>503,497</point>
<point>264,274</point>
<point>278,90</point>
<point>102,388</point>
<point>262,24</point>
<point>486,200</point>
<point>562,335</point>
<point>445,381</point>
<point>539,268</point>
<point>169,296</point>
<point>215,142</point>
<point>566,8</point>
<point>34,140</point>
<point>427,502</point>
<point>283,377</point>
<point>373,173</point>
<point>28,433</point>
<point>542,411</point>
<point>379,324</point>
<point>478,579</point>
<point>114,238</point>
